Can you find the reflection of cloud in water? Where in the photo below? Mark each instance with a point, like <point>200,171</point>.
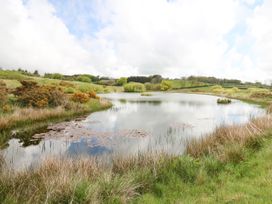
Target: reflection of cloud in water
<point>161,122</point>
<point>87,147</point>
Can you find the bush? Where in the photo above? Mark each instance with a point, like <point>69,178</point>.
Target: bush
<point>69,90</point>
<point>3,93</point>
<point>92,94</point>
<point>121,82</point>
<point>80,97</point>
<point>152,87</point>
<point>134,87</point>
<point>165,85</point>
<point>84,79</point>
<point>31,94</point>
<point>260,93</point>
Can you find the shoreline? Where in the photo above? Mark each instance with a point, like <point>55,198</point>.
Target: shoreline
<point>24,129</point>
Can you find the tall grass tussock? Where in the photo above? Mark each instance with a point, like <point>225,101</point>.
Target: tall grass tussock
<point>226,136</point>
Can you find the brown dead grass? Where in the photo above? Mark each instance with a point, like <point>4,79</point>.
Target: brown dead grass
<point>238,135</point>
<point>82,180</point>
<point>29,114</point>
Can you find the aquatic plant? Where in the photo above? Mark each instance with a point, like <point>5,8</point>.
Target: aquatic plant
<point>223,101</point>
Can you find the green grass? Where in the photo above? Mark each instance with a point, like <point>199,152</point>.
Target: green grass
<point>7,74</point>
<point>181,179</point>
<point>247,95</point>
<point>207,180</point>
<point>12,78</point>
<point>182,84</point>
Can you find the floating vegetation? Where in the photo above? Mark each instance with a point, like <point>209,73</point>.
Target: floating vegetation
<point>223,101</point>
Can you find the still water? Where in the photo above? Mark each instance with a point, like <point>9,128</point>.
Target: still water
<point>135,123</point>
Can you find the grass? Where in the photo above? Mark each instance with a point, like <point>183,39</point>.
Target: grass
<point>175,180</point>
<point>27,121</point>
<point>233,170</point>
<point>231,165</point>
<point>12,75</point>
<point>183,84</point>
<point>12,78</point>
<point>260,96</point>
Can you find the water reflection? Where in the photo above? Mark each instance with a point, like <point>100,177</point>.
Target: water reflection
<point>161,122</point>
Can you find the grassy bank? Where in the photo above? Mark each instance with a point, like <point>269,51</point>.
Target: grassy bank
<point>260,96</point>
<point>231,165</point>
<point>22,123</point>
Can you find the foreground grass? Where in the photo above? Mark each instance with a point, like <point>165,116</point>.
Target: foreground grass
<point>239,172</point>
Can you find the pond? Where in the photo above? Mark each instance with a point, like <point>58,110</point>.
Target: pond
<point>135,123</point>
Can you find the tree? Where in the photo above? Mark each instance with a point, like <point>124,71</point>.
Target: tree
<point>36,73</point>
<point>122,81</point>
<point>83,78</point>
<point>156,79</point>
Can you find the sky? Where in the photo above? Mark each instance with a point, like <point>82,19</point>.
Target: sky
<point>174,38</point>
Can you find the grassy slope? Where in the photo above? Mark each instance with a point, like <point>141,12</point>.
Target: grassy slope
<point>11,78</point>
<point>247,182</point>
<point>182,84</point>
<point>27,121</point>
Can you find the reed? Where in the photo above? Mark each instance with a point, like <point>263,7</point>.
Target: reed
<point>215,143</point>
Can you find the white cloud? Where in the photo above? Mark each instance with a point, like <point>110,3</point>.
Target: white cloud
<point>32,37</point>
<point>172,38</point>
<point>260,29</point>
